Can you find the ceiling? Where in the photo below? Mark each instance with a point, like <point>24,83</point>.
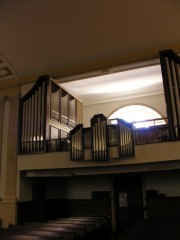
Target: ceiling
<point>71,39</point>
<point>121,85</point>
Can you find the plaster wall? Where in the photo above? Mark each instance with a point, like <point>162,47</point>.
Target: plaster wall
<point>157,102</point>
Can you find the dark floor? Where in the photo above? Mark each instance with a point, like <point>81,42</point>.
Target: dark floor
<point>117,237</point>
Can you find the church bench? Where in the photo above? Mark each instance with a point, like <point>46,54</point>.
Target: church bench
<point>31,232</point>
<point>78,230</point>
<point>104,222</point>
<point>96,222</point>
<point>89,226</point>
<point>13,236</point>
<point>95,227</point>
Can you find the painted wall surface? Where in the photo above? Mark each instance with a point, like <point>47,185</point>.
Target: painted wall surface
<point>81,187</point>
<point>165,182</point>
<point>56,188</point>
<point>9,123</point>
<point>157,102</point>
<point>77,187</point>
<point>144,154</point>
<point>25,187</point>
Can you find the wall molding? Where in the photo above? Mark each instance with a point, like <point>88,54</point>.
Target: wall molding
<point>74,72</point>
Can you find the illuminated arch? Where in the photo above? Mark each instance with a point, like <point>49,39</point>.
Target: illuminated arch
<point>138,113</point>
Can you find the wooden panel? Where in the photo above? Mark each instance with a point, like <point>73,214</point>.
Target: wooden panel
<point>2,101</point>
<point>129,201</point>
<point>87,138</point>
<point>64,107</point>
<point>163,207</point>
<point>113,135</point>
<point>56,208</point>
<point>55,101</point>
<point>45,105</point>
<point>72,111</point>
<point>79,115</point>
<point>76,143</point>
<point>170,65</point>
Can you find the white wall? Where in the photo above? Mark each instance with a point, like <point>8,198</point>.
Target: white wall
<point>25,193</point>
<point>81,187</point>
<point>77,187</point>
<point>26,88</point>
<point>56,188</point>
<point>157,102</point>
<point>164,182</point>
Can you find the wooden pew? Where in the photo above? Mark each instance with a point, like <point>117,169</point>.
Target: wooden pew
<point>102,229</point>
<point>77,230</point>
<point>100,222</point>
<point>89,226</point>
<point>103,220</point>
<point>65,233</point>
<point>32,232</point>
<point>12,236</point>
<point>96,224</point>
<point>90,231</point>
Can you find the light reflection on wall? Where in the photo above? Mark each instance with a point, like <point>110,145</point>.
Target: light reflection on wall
<point>138,115</point>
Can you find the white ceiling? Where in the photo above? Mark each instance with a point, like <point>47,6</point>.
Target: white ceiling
<point>59,38</point>
<point>117,86</point>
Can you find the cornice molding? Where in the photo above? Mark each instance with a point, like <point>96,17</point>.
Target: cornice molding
<point>13,85</point>
<point>2,99</point>
<point>115,61</point>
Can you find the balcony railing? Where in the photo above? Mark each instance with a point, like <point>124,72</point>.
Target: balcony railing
<point>53,145</point>
<point>151,131</point>
<point>119,134</point>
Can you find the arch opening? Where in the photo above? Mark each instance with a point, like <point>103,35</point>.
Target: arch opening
<point>141,116</point>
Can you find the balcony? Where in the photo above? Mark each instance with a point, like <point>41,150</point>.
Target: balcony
<point>152,150</point>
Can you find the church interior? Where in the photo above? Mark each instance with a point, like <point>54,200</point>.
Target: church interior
<point>69,169</point>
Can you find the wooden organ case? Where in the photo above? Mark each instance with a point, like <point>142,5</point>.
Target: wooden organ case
<point>170,67</point>
<point>50,119</point>
<point>47,113</point>
<point>105,141</point>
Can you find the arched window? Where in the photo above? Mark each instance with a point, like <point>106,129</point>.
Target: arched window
<point>138,115</point>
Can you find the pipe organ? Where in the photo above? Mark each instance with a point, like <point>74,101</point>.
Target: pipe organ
<point>46,116</point>
<point>50,119</point>
<point>126,139</point>
<point>170,66</point>
<point>100,150</point>
<point>103,141</point>
<point>76,141</point>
